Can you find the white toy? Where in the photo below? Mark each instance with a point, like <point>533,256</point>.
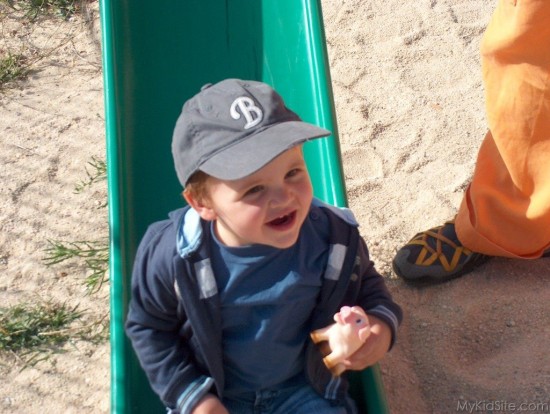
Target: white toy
<point>344,337</point>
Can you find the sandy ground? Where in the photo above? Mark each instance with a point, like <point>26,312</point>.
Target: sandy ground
<point>409,100</point>
<point>51,126</point>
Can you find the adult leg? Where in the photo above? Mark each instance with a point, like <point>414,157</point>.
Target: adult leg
<point>506,208</point>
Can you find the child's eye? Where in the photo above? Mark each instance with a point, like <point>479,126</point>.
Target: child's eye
<point>254,190</point>
<point>293,172</point>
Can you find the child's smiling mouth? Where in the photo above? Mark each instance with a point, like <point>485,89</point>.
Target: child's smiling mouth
<point>283,221</point>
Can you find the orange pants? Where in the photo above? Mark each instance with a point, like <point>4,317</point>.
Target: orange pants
<point>506,208</point>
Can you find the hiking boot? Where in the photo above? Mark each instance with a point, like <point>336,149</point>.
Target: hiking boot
<point>436,254</point>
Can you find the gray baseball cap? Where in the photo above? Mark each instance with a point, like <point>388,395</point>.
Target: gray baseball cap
<point>233,128</point>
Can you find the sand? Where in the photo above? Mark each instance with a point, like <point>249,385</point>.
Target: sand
<point>409,101</point>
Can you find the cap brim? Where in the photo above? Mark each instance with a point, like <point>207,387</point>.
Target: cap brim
<point>258,149</point>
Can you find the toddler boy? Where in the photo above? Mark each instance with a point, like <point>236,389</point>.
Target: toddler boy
<point>226,291</point>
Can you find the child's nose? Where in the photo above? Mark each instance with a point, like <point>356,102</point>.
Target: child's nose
<point>280,196</point>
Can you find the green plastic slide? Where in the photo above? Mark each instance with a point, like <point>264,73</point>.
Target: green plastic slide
<point>156,55</point>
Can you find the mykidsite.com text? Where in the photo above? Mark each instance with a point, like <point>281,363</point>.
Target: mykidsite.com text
<point>483,406</point>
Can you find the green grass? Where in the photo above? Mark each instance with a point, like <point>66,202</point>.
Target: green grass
<point>12,68</point>
<point>34,332</point>
<point>98,173</point>
<point>94,254</point>
<point>35,8</point>
<point>32,327</point>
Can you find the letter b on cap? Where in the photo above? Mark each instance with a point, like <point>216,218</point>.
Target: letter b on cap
<point>246,107</point>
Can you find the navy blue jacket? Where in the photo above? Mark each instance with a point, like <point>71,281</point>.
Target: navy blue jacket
<point>174,319</point>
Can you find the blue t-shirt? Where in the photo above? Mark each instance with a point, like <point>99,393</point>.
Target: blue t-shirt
<point>267,297</point>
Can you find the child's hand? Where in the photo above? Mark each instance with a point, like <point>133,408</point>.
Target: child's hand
<point>344,337</point>
<point>210,404</point>
<point>374,348</point>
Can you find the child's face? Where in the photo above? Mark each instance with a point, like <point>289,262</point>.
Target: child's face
<point>267,207</point>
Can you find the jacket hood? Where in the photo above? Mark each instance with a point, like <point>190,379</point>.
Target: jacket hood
<point>189,230</point>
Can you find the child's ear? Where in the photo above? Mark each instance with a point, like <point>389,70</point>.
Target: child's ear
<point>200,205</point>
